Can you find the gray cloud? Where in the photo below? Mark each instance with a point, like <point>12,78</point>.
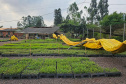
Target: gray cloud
<point>15,9</point>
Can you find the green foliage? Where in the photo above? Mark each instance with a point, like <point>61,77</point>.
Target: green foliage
<point>31,21</point>
<point>90,26</point>
<point>48,69</point>
<point>115,20</point>
<point>3,60</point>
<point>92,10</point>
<point>57,16</point>
<point>103,8</point>
<point>48,66</point>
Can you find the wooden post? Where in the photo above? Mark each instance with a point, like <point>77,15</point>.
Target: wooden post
<point>93,32</point>
<point>124,27</point>
<point>30,49</point>
<point>124,33</point>
<point>100,32</point>
<point>83,34</point>
<point>85,50</point>
<point>87,32</point>
<point>56,67</point>
<point>110,31</point>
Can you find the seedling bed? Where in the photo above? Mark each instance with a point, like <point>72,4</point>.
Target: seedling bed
<point>63,55</point>
<point>37,76</point>
<point>73,67</point>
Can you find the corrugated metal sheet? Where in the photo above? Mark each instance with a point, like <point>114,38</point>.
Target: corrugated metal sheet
<point>8,29</point>
<point>40,30</point>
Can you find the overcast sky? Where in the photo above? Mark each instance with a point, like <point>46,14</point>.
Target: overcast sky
<point>13,10</point>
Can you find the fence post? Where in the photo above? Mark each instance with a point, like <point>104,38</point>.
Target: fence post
<point>124,33</point>
<point>124,27</point>
<point>87,32</point>
<point>93,32</point>
<point>56,67</point>
<point>110,31</point>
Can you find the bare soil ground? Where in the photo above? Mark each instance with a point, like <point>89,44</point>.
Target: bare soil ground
<point>118,62</point>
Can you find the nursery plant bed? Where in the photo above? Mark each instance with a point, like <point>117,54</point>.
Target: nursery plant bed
<point>15,55</point>
<point>5,55</point>
<point>113,74</point>
<point>36,54</point>
<point>85,75</point>
<point>1,76</point>
<point>98,75</point>
<point>15,76</point>
<point>30,76</point>
<point>22,55</point>
<point>65,75</point>
<point>44,75</point>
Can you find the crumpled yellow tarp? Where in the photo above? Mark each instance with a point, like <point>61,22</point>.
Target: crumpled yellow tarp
<point>13,38</point>
<point>111,45</point>
<point>67,41</point>
<point>54,36</point>
<point>92,43</point>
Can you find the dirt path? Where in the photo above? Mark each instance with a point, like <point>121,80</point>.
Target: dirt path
<point>119,63</point>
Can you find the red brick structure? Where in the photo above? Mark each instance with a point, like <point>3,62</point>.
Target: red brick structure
<point>8,32</point>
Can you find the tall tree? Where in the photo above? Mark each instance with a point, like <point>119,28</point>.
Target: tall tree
<point>57,16</point>
<point>92,10</point>
<point>74,13</point>
<point>103,8</point>
<point>34,21</point>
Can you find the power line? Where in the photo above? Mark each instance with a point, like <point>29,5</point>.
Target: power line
<point>117,4</point>
<point>33,8</point>
<point>10,21</point>
<point>53,12</point>
<point>41,15</point>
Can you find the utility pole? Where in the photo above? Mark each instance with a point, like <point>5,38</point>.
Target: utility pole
<point>124,27</point>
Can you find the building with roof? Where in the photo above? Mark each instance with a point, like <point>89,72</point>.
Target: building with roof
<point>43,32</point>
<point>7,32</point>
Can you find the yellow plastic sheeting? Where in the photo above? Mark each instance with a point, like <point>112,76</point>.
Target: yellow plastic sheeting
<point>67,41</point>
<point>92,43</point>
<point>13,38</point>
<point>121,49</point>
<point>111,45</point>
<point>54,36</point>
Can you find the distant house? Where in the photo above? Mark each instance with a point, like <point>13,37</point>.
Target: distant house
<point>7,32</point>
<point>43,32</point>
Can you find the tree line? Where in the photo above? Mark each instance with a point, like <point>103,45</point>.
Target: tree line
<point>98,14</point>
<point>31,21</point>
